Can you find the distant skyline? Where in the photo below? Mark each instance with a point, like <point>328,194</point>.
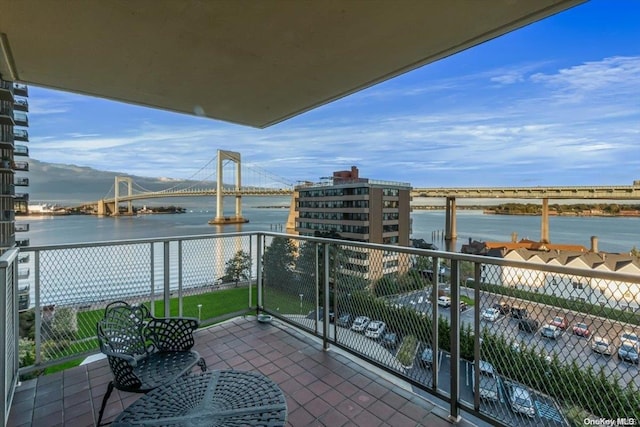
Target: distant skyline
<point>554,103</point>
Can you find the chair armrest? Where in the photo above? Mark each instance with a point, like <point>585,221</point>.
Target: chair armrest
<point>172,333</point>
<point>123,369</point>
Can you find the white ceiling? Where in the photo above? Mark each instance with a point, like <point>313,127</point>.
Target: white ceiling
<point>244,61</point>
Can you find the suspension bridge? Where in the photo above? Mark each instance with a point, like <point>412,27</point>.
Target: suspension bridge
<point>226,175</point>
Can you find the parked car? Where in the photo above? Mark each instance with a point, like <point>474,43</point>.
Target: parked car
<point>488,386</point>
<point>375,329</point>
<point>345,320</point>
<point>360,324</point>
<point>550,331</point>
<point>521,401</point>
<point>601,345</point>
<point>463,306</point>
<point>490,314</point>
<point>502,307</point>
<point>559,322</point>
<point>519,313</point>
<point>528,325</point>
<point>444,301</point>
<point>629,336</point>
<point>628,351</point>
<point>581,329</point>
<point>390,339</point>
<point>426,358</point>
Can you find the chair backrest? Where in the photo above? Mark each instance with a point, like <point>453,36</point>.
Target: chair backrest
<point>121,330</point>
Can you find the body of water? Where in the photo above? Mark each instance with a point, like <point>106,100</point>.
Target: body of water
<point>614,234</point>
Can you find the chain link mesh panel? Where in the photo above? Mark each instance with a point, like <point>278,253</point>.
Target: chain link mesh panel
<point>76,283</point>
<point>536,347</point>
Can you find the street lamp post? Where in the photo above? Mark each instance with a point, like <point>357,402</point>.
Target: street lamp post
<point>301,295</point>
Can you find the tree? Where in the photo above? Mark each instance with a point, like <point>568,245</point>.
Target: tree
<point>239,267</point>
<point>278,262</point>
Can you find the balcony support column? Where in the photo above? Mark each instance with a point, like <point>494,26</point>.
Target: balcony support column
<point>454,337</point>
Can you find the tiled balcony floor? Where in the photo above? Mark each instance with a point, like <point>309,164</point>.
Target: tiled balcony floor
<point>322,388</point>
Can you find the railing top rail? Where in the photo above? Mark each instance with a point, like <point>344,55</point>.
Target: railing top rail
<point>135,241</point>
<point>8,257</point>
<point>482,259</point>
<point>607,275</point>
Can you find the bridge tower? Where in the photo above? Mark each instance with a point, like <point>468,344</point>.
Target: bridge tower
<point>220,218</point>
<point>129,182</point>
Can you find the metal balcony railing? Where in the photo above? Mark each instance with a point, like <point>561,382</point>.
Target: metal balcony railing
<point>20,135</point>
<point>20,150</point>
<point>514,343</point>
<point>21,104</point>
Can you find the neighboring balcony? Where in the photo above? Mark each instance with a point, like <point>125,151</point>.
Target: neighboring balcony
<point>6,116</point>
<point>20,150</point>
<point>20,89</point>
<point>6,91</point>
<point>22,197</point>
<point>440,358</point>
<point>21,181</point>
<point>20,119</point>
<point>22,227</point>
<point>21,135</point>
<point>21,105</point>
<point>20,166</point>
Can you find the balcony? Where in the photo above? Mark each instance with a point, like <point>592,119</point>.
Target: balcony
<point>24,197</point>
<point>20,89</point>
<point>434,370</point>
<point>21,181</point>
<point>21,119</point>
<point>21,105</point>
<point>22,227</point>
<point>21,150</point>
<point>6,91</point>
<point>6,115</point>
<point>20,166</point>
<point>21,135</point>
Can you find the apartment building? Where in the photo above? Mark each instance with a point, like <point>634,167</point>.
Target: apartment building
<point>13,164</point>
<point>349,207</point>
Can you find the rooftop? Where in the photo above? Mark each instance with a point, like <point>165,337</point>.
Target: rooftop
<point>322,388</point>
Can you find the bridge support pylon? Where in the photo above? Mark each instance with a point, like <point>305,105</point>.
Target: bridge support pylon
<point>127,180</point>
<point>450,233</point>
<point>544,222</point>
<point>220,219</point>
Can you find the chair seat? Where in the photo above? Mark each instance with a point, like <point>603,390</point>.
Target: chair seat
<point>162,367</point>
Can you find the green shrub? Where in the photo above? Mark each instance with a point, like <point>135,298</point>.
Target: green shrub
<point>407,350</point>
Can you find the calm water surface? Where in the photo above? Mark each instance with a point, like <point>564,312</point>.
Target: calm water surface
<point>614,234</point>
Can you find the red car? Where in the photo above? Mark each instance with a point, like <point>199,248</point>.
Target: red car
<point>581,329</point>
<point>559,322</point>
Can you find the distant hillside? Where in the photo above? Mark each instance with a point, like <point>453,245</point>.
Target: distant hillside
<point>70,184</point>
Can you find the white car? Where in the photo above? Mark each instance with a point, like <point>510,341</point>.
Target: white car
<point>360,324</point>
<point>521,401</point>
<point>375,329</point>
<point>550,331</point>
<point>490,314</point>
<point>601,345</point>
<point>444,301</point>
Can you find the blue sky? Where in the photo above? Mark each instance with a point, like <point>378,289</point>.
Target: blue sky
<point>555,103</point>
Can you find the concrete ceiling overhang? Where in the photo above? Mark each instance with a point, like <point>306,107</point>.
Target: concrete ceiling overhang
<point>245,61</point>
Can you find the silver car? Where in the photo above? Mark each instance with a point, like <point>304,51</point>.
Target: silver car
<point>521,401</point>
<point>601,345</point>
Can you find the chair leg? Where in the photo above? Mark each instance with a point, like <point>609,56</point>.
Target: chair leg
<point>202,364</point>
<point>104,402</point>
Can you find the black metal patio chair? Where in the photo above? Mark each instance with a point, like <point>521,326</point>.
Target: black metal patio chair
<point>145,352</point>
